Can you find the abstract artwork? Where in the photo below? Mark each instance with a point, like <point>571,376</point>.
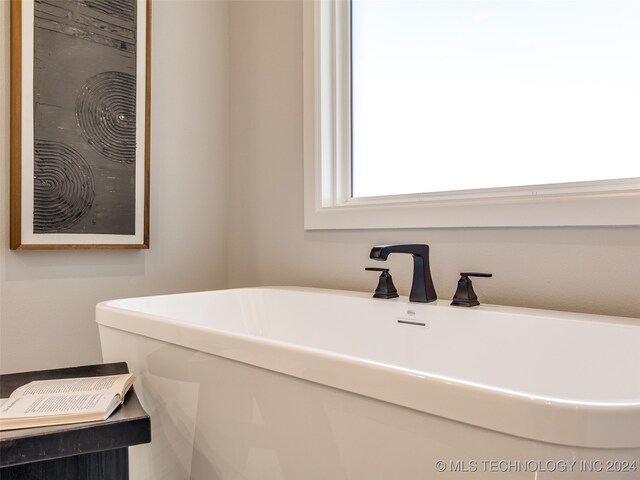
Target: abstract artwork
<point>80,123</point>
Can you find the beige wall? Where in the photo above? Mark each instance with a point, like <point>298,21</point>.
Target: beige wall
<point>578,269</point>
<point>218,223</point>
<point>47,298</point>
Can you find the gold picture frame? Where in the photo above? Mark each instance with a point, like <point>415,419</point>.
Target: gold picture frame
<point>80,150</point>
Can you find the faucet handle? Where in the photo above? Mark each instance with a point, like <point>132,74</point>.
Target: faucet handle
<point>386,288</point>
<point>465,296</point>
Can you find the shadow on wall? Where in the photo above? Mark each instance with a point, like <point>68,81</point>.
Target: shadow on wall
<point>43,265</point>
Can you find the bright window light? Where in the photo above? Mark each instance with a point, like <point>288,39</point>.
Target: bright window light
<point>452,95</point>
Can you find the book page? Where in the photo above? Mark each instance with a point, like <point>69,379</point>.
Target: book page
<point>113,384</point>
<point>36,406</point>
<point>71,400</point>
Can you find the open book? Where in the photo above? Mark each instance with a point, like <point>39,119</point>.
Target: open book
<point>70,400</point>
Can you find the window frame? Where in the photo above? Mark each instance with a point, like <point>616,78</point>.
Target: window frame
<point>327,160</point>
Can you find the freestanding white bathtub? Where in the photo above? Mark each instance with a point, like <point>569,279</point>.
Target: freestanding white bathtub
<point>306,384</point>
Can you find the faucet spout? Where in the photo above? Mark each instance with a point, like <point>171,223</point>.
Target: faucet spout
<point>422,289</point>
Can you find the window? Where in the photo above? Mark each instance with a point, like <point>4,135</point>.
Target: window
<point>449,114</point>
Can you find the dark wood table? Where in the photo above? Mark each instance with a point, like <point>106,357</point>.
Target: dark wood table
<point>82,451</point>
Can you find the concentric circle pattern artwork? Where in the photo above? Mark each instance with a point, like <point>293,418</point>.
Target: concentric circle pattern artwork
<point>106,114</point>
<point>63,187</point>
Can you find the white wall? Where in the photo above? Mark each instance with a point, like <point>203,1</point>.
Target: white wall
<point>47,298</point>
<point>226,202</point>
<point>593,270</point>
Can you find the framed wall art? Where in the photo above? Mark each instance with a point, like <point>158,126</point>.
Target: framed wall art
<point>80,110</point>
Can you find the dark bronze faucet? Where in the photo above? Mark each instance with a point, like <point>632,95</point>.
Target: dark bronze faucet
<point>465,295</point>
<point>422,289</point>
